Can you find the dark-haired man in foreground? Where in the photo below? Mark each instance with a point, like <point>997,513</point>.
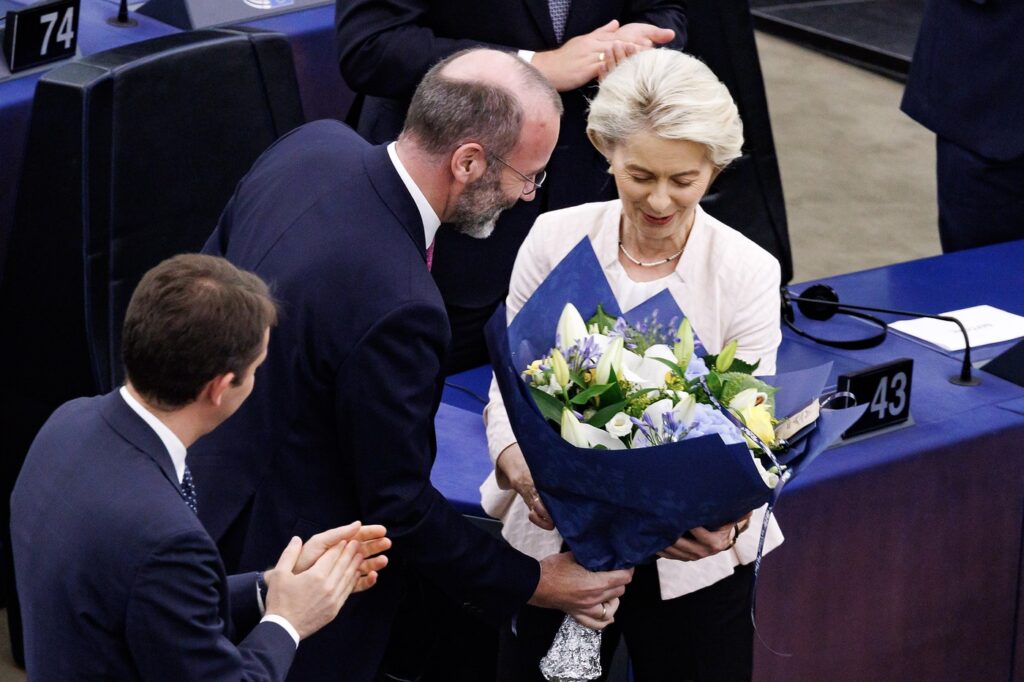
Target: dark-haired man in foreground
<point>116,575</point>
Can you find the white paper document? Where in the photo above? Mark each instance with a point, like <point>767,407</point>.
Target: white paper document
<point>984,325</point>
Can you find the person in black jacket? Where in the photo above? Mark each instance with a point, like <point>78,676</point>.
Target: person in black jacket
<point>963,87</point>
<point>341,421</point>
<point>117,577</point>
<point>385,47</point>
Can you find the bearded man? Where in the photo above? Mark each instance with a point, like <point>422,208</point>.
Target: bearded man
<point>341,422</point>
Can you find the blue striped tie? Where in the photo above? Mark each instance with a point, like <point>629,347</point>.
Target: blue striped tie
<point>559,10</point>
<point>188,490</point>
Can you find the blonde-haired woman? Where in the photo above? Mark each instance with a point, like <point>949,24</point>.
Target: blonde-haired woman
<point>668,127</point>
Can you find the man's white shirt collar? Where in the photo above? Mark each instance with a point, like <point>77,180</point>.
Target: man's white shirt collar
<point>175,448</point>
<point>430,220</point>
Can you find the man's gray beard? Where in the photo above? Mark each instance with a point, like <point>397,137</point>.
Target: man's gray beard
<point>479,230</point>
<point>479,207</point>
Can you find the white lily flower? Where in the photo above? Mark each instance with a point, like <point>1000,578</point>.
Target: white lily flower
<point>643,372</point>
<point>660,350</point>
<point>747,398</point>
<point>771,480</point>
<point>649,372</point>
<point>596,436</point>
<point>552,387</point>
<point>600,342</point>
<point>657,410</point>
<point>684,410</point>
<point>571,327</point>
<point>630,360</point>
<point>610,360</point>
<point>656,369</point>
<point>619,425</point>
<point>571,430</point>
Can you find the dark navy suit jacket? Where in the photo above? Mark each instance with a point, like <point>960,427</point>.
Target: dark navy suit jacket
<point>386,46</point>
<point>340,424</point>
<point>117,578</point>
<point>965,82</point>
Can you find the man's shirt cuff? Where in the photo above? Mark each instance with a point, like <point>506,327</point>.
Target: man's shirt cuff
<point>283,622</point>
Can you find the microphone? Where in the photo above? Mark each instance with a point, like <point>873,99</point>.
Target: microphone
<point>821,302</point>
<point>122,19</point>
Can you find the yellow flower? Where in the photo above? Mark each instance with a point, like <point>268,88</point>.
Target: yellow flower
<point>759,420</point>
<point>533,368</point>
<point>588,376</point>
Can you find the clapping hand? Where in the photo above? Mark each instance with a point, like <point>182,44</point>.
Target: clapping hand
<point>373,542</point>
<point>310,599</point>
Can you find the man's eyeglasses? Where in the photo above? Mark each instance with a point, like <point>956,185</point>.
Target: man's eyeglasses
<point>531,184</point>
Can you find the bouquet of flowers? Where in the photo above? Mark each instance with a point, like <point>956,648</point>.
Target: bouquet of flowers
<point>610,385</point>
<point>651,438</point>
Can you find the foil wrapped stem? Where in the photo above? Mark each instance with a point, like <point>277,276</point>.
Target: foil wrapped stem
<point>574,656</point>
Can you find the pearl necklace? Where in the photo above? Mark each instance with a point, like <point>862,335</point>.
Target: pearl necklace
<point>652,264</point>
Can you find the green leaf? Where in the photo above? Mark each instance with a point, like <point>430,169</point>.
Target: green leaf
<point>550,406</point>
<point>679,371</point>
<point>614,394</point>
<point>714,382</point>
<point>603,320</point>
<point>602,416</point>
<point>583,397</point>
<point>742,367</point>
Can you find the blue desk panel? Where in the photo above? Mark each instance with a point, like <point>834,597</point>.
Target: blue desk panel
<point>903,551</point>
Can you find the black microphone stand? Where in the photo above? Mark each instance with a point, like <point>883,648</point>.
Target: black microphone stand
<point>122,18</point>
<point>965,378</point>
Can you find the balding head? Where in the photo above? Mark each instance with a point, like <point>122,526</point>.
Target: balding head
<point>480,128</point>
<point>479,95</point>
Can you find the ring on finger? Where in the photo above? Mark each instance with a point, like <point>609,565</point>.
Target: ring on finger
<point>604,610</point>
<point>600,56</point>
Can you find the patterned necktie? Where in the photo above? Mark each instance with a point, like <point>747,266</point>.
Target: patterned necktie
<point>188,490</point>
<point>430,255</point>
<point>559,10</point>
